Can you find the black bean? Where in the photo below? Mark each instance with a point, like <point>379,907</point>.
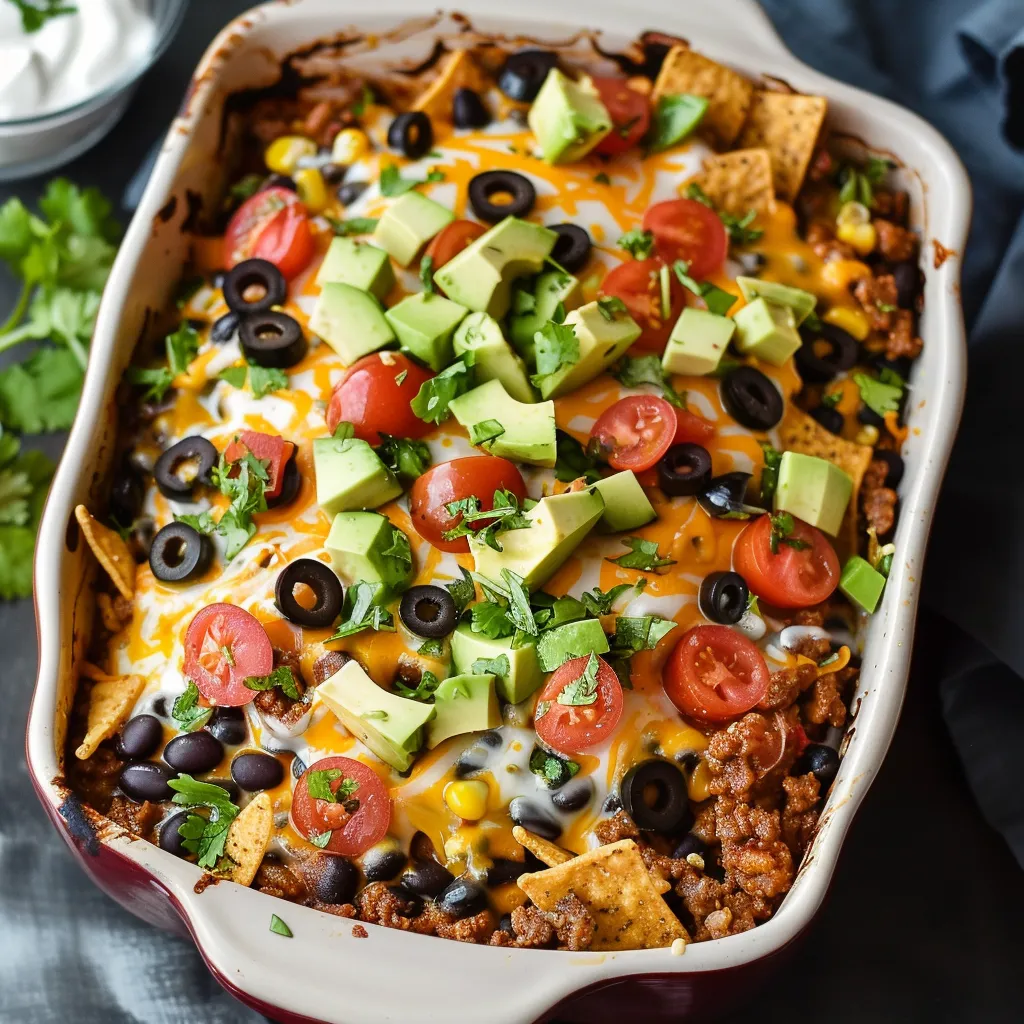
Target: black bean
<point>334,174</point>
<point>412,903</point>
<point>229,786</point>
<point>194,752</point>
<point>255,770</point>
<point>426,877</point>
<point>225,327</point>
<point>894,462</point>
<point>326,588</point>
<point>533,818</point>
<point>908,284</point>
<point>146,780</point>
<point>228,725</point>
<point>254,273</point>
<point>126,496</point>
<point>463,898</point>
<point>502,871</point>
<point>168,837</point>
<point>505,924</point>
<point>469,110</point>
<point>690,843</point>
<point>868,415</point>
<point>351,191</point>
<point>830,418</point>
<point>611,804</point>
<point>276,180</point>
<point>382,862</point>
<point>140,737</point>
<point>574,795</point>
<point>330,878</point>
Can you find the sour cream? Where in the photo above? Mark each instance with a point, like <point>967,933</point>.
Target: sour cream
<point>72,58</point>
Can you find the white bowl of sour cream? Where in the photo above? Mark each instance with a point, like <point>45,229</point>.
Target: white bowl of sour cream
<point>64,84</point>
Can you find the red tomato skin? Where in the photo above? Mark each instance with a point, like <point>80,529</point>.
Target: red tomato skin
<point>684,229</point>
<point>216,626</point>
<point>481,475</point>
<point>692,429</point>
<point>367,827</point>
<point>572,730</point>
<point>451,240</point>
<point>694,697</point>
<point>272,225</point>
<point>637,283</point>
<point>372,400</point>
<point>789,578</point>
<point>636,431</point>
<point>630,113</point>
<point>270,448</point>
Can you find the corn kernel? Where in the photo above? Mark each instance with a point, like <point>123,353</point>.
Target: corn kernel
<point>312,190</point>
<point>853,321</point>
<point>853,213</point>
<point>282,156</point>
<point>840,274</point>
<point>861,236</point>
<point>350,145</point>
<point>699,783</point>
<point>467,798</point>
<point>868,434</point>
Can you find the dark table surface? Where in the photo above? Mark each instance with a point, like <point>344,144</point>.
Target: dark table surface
<point>924,921</point>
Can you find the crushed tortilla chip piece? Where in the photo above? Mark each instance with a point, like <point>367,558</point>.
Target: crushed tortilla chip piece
<point>613,884</point>
<point>110,703</point>
<point>110,551</point>
<point>545,851</point>
<point>95,673</point>
<point>248,838</point>
<point>727,92</point>
<point>787,125</point>
<point>739,181</point>
<point>799,432</point>
<point>459,72</point>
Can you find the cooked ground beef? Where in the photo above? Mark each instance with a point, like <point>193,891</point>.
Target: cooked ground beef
<point>275,879</point>
<point>878,298</point>
<point>337,909</point>
<point>896,244</point>
<point>786,685</point>
<point>799,815</point>
<point>903,341</point>
<point>822,240</point>
<point>893,206</point>
<point>611,830</point>
<point>139,819</point>
<point>759,867</point>
<point>477,928</point>
<point>735,753</point>
<point>879,507</point>
<point>826,698</point>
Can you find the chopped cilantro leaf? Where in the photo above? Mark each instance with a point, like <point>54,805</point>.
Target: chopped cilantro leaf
<point>353,226</point>
<point>639,244</point>
<point>188,714</point>
<point>611,307</point>
<point>783,526</point>
<point>427,274</point>
<point>282,677</point>
<point>675,116</point>
<point>490,619</point>
<point>234,375</point>
<point>881,396</point>
<point>182,348</point>
<point>643,555</point>
<point>204,837</point>
<point>716,299</point>
<point>640,633</point>
<point>361,611</point>
<point>278,927</point>
<point>633,371</point>
<point>739,228</point>
<point>599,602</point>
<point>463,591</point>
<point>498,666</point>
<point>263,380</point>
<point>157,381</point>
<point>406,458</point>
<point>393,184</point>
<point>574,461</point>
<point>555,346</point>
<point>582,691</point>
<point>486,430</point>
<point>435,395</point>
<point>319,785</point>
<point>552,769</point>
<point>770,473</point>
<point>424,689</point>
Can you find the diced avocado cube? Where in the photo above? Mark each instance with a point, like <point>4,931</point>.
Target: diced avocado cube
<point>358,264</point>
<point>351,321</point>
<point>494,358</point>
<point>480,277</point>
<point>601,342</point>
<point>814,490</point>
<point>391,726</point>
<point>463,703</point>
<point>524,674</point>
<point>767,331</point>
<point>801,302</point>
<point>567,118</point>
<point>558,523</point>
<point>542,296</point>
<point>697,342</point>
<point>406,226</point>
<point>573,640</point>
<point>862,583</point>
<point>626,506</point>
<point>424,325</point>
<point>351,475</point>
<point>362,546</point>
<point>529,434</point>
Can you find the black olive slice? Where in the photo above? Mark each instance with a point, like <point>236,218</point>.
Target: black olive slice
<point>827,351</point>
<point>254,273</point>
<point>276,180</point>
<point>723,597</point>
<point>291,484</point>
<point>225,327</point>
<point>654,795</point>
<point>907,277</point>
<point>822,761</point>
<point>321,580</point>
<point>482,187</point>
<point>868,416</point>
<point>411,134</point>
<point>831,419</point>
<point>751,398</point>
<point>428,611</point>
<point>351,191</point>
<point>468,110</point>
<point>195,450</point>
<point>179,553</point>
<point>572,248</point>
<point>725,497</point>
<point>272,339</point>
<point>523,74</point>
<point>126,496</point>
<point>684,469</point>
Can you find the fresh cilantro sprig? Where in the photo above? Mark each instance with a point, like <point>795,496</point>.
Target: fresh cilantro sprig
<point>246,491</point>
<point>553,770</point>
<point>404,457</point>
<point>282,678</point>
<point>633,371</point>
<point>573,461</point>
<point>361,610</point>
<point>718,300</point>
<point>187,713</point>
<point>204,836</point>
<point>638,243</point>
<point>513,594</point>
<point>739,229</point>
<point>770,473</point>
<point>36,13</point>
<point>436,394</point>
<point>643,555</point>
<point>422,691</point>
<point>427,274</point>
<point>393,184</point>
<point>24,481</point>
<point>783,525</point>
<point>555,345</point>
<point>353,226</point>
<point>882,394</point>
<point>505,511</point>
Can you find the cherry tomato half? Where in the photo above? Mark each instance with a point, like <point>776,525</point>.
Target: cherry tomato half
<point>630,112</point>
<point>451,481</point>
<point>715,673</point>
<point>635,432</point>
<point>271,448</point>
<point>224,645</point>
<point>638,284</point>
<point>691,428</point>
<point>451,240</point>
<point>374,400</point>
<point>684,229</point>
<point>272,225</point>
<point>792,577</point>
<point>357,820</point>
<point>574,727</point>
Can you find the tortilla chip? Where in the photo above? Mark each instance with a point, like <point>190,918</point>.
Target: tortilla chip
<point>787,125</point>
<point>728,93</point>
<point>799,432</point>
<point>110,703</point>
<point>460,72</point>
<point>248,838</point>
<point>550,853</point>
<point>110,551</point>
<point>613,883</point>
<point>739,181</point>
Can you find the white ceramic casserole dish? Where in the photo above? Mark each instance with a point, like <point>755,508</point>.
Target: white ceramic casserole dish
<point>327,973</point>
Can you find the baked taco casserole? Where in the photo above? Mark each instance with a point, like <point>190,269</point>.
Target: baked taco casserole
<point>497,511</point>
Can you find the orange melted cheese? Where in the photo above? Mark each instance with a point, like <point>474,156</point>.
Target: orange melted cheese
<point>151,644</point>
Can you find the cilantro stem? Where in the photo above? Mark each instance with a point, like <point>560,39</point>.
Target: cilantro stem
<point>78,351</point>
<point>16,314</point>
